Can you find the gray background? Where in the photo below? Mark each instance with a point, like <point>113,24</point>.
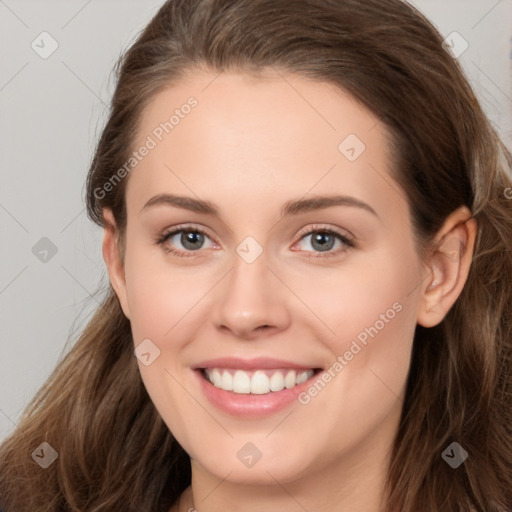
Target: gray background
<point>51,113</point>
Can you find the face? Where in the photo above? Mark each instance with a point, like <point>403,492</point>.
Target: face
<point>286,273</point>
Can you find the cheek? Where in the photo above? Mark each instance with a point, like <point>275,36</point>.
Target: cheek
<point>161,296</point>
<point>368,314</point>
<point>368,296</point>
<point>165,304</point>
<point>373,320</point>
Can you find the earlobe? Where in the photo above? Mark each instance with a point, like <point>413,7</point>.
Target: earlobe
<point>114,261</point>
<point>448,267</point>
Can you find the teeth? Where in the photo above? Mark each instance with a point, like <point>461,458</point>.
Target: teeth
<point>226,382</point>
<point>302,377</point>
<point>277,382</point>
<point>216,377</point>
<point>260,382</point>
<point>290,380</point>
<point>241,382</point>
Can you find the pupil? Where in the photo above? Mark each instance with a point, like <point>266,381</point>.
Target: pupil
<point>320,238</point>
<point>191,240</point>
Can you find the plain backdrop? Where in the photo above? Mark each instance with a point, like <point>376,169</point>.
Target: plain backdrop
<point>55,83</point>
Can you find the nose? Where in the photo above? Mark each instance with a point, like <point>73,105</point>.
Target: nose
<point>251,301</point>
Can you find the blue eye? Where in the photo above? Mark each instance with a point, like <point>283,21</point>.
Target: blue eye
<point>324,239</point>
<point>192,239</point>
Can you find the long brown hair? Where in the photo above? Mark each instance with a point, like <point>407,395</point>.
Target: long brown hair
<point>114,451</point>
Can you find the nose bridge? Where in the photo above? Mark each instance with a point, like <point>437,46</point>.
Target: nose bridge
<point>251,296</point>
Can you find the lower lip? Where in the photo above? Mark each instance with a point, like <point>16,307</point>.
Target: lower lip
<point>251,406</point>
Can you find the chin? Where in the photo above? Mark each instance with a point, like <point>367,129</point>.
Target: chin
<point>273,466</point>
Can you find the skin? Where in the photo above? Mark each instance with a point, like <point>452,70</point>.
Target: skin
<point>251,145</point>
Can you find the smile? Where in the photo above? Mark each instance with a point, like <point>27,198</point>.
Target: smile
<point>253,388</point>
<point>257,382</point>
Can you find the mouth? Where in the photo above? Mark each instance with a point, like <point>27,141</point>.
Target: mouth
<point>256,382</point>
<point>253,388</point>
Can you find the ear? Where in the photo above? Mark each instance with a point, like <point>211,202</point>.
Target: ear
<point>114,260</point>
<point>448,266</point>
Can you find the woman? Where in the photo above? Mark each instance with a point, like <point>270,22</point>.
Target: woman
<point>307,231</point>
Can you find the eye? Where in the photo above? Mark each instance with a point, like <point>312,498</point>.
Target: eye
<point>324,239</point>
<point>191,238</point>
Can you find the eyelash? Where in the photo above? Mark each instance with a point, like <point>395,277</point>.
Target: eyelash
<point>348,242</point>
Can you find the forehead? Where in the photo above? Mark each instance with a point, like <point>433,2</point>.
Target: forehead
<point>235,135</point>
<point>237,107</point>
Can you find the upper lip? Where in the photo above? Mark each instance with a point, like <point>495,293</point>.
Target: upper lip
<point>259,363</point>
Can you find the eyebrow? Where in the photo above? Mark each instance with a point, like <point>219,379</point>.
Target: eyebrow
<point>292,207</point>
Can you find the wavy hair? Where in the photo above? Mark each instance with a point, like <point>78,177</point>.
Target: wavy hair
<point>114,450</point>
